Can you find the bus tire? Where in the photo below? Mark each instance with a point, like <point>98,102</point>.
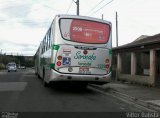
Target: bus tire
<point>39,76</point>
<point>83,85</point>
<point>45,84</point>
<point>36,71</point>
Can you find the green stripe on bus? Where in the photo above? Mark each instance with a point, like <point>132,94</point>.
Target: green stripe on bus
<point>110,69</point>
<point>110,51</point>
<point>52,65</point>
<point>55,47</point>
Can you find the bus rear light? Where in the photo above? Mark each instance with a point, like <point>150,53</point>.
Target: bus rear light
<point>59,57</point>
<point>58,63</point>
<point>104,77</point>
<point>85,52</point>
<point>107,60</point>
<point>61,75</point>
<point>107,66</point>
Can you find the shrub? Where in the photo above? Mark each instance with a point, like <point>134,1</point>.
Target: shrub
<point>2,66</point>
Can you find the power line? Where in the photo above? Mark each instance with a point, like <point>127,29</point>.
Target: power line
<point>45,5</point>
<point>69,7</point>
<point>23,21</point>
<point>102,7</point>
<point>94,7</point>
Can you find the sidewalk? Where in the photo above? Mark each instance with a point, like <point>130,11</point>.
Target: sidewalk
<point>148,95</point>
<point>2,71</point>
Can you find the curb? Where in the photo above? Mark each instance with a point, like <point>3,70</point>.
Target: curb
<point>130,98</point>
<point>2,71</point>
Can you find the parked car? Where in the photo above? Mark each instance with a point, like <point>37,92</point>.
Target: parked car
<point>23,67</point>
<point>11,66</point>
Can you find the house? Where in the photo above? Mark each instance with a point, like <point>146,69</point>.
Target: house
<point>138,61</point>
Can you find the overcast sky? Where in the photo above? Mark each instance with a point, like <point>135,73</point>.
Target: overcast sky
<point>23,23</point>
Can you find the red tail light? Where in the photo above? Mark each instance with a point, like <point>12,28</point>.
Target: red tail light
<point>104,77</point>
<point>85,52</point>
<point>58,63</point>
<point>107,66</point>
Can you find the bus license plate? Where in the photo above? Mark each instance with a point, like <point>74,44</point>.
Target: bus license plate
<point>84,70</point>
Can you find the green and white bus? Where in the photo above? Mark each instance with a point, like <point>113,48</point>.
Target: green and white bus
<point>75,49</point>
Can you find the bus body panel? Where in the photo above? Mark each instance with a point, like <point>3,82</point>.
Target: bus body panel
<point>56,76</point>
<point>83,60</point>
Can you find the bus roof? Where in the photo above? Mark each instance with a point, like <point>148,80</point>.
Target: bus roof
<point>82,17</point>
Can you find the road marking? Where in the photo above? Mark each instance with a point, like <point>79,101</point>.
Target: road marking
<point>12,86</point>
<point>3,72</point>
<point>154,101</point>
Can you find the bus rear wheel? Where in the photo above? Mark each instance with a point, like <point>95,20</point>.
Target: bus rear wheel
<point>45,84</point>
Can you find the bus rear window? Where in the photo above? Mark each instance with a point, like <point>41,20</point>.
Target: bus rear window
<point>84,31</point>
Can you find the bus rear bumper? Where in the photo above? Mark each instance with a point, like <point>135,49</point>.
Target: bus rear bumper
<point>55,76</point>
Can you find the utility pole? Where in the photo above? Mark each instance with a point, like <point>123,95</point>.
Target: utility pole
<point>1,56</point>
<point>117,43</point>
<point>77,3</point>
<point>102,16</point>
<point>116,29</point>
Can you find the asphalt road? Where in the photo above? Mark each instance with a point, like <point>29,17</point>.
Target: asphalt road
<point>22,91</point>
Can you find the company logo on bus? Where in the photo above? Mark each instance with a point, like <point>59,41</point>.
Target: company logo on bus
<point>79,56</point>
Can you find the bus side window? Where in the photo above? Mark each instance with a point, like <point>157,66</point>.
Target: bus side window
<point>46,42</point>
<point>41,50</point>
<point>43,45</point>
<point>48,39</point>
<point>51,37</point>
